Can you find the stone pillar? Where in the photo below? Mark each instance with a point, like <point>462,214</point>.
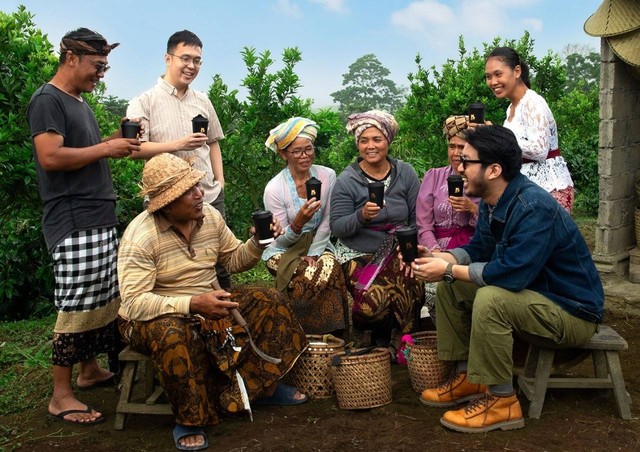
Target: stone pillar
<point>618,163</point>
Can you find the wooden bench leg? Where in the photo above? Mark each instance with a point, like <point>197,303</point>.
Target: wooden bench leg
<point>543,369</point>
<point>619,391</point>
<point>128,376</point>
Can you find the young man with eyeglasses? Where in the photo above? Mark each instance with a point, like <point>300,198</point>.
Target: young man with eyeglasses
<point>527,270</point>
<point>79,223</point>
<point>166,111</point>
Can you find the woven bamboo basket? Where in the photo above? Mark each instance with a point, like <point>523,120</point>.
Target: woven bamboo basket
<point>311,374</point>
<point>425,369</point>
<point>363,381</point>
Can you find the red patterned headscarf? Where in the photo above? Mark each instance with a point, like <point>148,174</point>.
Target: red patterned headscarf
<point>381,120</point>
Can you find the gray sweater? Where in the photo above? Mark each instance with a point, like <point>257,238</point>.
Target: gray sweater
<point>350,194</point>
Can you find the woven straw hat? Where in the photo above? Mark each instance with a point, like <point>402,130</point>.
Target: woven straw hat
<point>614,17</point>
<point>627,46</point>
<point>165,178</point>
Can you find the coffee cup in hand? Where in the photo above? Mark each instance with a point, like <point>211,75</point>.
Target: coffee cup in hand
<point>376,193</point>
<point>200,124</point>
<point>455,184</point>
<point>262,220</point>
<point>408,243</point>
<point>130,129</point>
<point>476,112</point>
<point>313,188</point>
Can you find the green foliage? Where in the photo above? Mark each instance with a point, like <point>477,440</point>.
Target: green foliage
<point>115,106</point>
<point>583,68</point>
<point>436,94</point>
<point>577,116</point>
<point>26,61</point>
<point>366,87</point>
<point>271,99</point>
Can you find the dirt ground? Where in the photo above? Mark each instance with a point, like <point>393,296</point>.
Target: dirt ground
<point>572,419</point>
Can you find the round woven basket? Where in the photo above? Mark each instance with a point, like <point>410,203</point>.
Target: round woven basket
<point>311,374</point>
<point>425,369</point>
<point>363,381</point>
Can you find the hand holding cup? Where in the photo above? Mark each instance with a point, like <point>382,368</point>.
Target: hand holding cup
<point>130,129</point>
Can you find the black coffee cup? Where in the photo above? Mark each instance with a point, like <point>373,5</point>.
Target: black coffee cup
<point>313,188</point>
<point>200,124</point>
<point>262,220</point>
<point>455,184</point>
<point>130,129</point>
<point>476,112</point>
<point>408,242</point>
<point>376,193</point>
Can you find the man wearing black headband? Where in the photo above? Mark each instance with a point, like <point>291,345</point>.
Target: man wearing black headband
<point>79,223</point>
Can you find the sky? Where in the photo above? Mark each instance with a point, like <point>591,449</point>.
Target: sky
<point>331,34</point>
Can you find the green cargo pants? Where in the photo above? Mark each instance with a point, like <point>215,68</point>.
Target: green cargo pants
<point>477,325</point>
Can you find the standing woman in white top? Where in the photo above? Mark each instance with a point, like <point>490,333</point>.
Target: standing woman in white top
<point>531,120</point>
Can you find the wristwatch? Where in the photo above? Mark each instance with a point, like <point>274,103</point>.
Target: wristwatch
<point>448,274</point>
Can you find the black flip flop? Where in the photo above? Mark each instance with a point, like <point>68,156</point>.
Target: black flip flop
<point>60,417</point>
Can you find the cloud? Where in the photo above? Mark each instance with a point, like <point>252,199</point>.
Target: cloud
<point>437,24</point>
<point>289,9</point>
<point>338,6</point>
<point>532,24</point>
<point>421,16</point>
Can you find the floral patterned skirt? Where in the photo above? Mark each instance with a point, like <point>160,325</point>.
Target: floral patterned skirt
<point>391,293</point>
<point>317,295</point>
<point>196,361</point>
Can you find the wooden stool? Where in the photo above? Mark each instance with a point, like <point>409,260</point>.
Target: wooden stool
<point>149,406</point>
<point>603,348</point>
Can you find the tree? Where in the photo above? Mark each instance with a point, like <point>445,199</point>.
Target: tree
<point>583,67</point>
<point>271,99</point>
<point>367,86</point>
<point>115,106</point>
<point>26,61</point>
<point>436,94</point>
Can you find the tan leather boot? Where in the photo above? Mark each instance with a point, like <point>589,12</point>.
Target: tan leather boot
<point>457,389</point>
<point>487,412</point>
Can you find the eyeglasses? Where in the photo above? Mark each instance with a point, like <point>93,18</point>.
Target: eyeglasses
<point>100,67</point>
<point>187,60</point>
<point>297,153</point>
<point>466,160</point>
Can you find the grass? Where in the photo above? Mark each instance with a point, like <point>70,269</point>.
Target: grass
<point>25,361</point>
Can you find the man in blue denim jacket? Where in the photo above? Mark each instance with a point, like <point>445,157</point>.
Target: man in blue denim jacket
<point>527,270</point>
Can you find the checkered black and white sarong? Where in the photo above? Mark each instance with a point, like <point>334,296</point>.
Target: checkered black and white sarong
<point>84,266</point>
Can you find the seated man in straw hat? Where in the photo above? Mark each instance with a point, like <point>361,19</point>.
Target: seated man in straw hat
<point>173,310</point>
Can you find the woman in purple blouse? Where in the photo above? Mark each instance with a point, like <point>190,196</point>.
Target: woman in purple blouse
<point>445,222</point>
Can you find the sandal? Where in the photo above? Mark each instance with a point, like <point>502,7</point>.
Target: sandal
<point>180,431</point>
<point>283,395</point>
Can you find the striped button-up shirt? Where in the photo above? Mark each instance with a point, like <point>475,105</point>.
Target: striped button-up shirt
<point>159,270</point>
<point>167,117</point>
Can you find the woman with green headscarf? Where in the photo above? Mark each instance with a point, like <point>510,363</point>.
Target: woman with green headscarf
<point>302,259</point>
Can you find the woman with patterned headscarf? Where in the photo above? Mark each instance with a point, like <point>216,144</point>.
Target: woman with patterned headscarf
<point>302,259</point>
<point>384,298</point>
<point>445,222</point>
